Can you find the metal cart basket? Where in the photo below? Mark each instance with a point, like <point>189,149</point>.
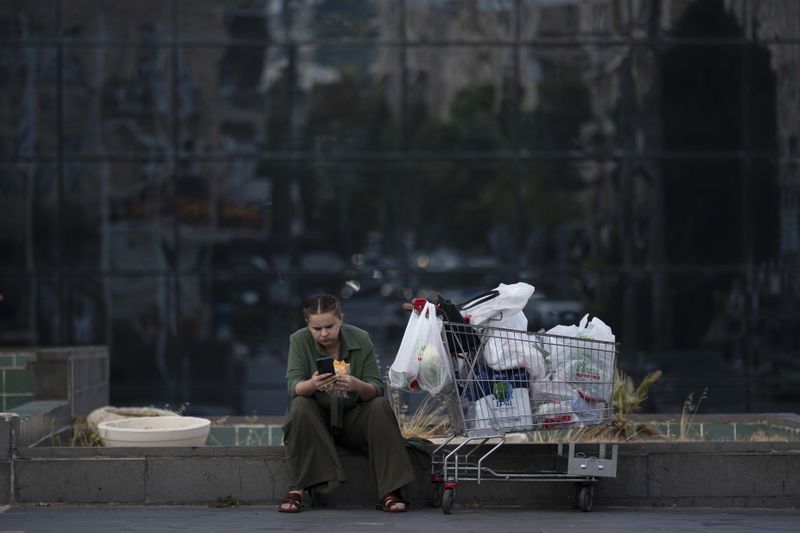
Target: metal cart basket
<point>510,381</point>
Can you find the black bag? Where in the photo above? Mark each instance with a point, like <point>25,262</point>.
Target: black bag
<point>461,337</point>
<point>477,300</point>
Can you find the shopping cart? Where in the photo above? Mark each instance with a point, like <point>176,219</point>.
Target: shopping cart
<point>510,381</point>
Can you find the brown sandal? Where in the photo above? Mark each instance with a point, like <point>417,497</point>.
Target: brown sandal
<point>390,499</point>
<point>294,501</point>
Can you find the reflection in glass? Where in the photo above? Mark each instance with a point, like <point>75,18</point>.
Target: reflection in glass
<point>27,20</point>
<point>345,19</point>
<point>17,311</point>
<point>87,301</point>
<point>249,88</point>
<point>349,98</point>
<point>213,21</point>
<point>460,98</point>
<point>569,99</point>
<point>140,311</point>
<point>768,19</point>
<point>29,229</point>
<point>459,21</point>
<point>28,92</point>
<point>112,20</point>
<point>117,100</point>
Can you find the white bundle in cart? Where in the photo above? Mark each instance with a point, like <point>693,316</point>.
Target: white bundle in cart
<point>508,409</point>
<point>577,389</point>
<point>506,349</point>
<point>584,358</point>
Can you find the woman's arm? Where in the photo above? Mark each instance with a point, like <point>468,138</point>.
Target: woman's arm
<point>369,385</point>
<point>297,371</point>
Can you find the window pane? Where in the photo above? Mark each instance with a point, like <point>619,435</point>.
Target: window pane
<point>28,93</point>
<point>143,369</point>
<point>140,22</point>
<point>459,21</point>
<point>117,101</point>
<point>87,299</point>
<point>206,21</point>
<point>348,98</point>
<point>139,206</point>
<point>29,227</point>
<point>27,20</point>
<point>570,97</point>
<point>345,19</point>
<point>769,19</point>
<point>234,99</point>
<point>460,98</point>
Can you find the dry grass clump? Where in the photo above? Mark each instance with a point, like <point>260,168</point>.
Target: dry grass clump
<point>626,399</point>
<point>85,434</point>
<point>763,436</point>
<point>429,421</point>
<point>687,414</point>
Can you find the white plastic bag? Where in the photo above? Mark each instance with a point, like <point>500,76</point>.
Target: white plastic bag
<point>511,413</point>
<point>509,300</point>
<point>422,362</point>
<point>547,390</point>
<point>404,369</point>
<point>505,350</point>
<point>586,365</point>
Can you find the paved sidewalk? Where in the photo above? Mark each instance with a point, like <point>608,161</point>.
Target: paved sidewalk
<point>118,518</point>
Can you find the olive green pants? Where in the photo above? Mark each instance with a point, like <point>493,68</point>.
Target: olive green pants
<point>369,428</point>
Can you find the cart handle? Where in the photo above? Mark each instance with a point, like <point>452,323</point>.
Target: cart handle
<point>418,304</point>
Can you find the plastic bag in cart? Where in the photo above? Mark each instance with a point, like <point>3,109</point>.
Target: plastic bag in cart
<point>509,349</point>
<point>483,381</point>
<point>509,300</point>
<point>570,412</point>
<point>556,414</point>
<point>585,365</point>
<point>508,409</point>
<point>421,362</point>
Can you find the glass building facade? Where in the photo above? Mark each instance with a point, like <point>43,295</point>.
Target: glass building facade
<point>176,176</point>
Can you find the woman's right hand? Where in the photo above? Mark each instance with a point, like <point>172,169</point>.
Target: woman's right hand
<point>322,381</point>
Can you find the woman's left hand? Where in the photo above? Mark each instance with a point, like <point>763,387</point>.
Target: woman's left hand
<point>347,383</point>
<point>351,384</point>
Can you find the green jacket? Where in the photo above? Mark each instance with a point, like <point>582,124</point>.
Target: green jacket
<point>355,348</point>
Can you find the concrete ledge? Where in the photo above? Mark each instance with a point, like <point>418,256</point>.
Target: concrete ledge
<point>717,474</point>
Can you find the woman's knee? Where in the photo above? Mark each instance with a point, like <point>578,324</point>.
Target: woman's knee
<point>302,407</point>
<point>380,407</point>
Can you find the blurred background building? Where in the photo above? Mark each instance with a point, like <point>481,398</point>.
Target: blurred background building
<point>176,176</point>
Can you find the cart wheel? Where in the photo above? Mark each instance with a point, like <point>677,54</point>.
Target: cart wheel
<point>585,495</point>
<point>436,494</point>
<point>447,501</point>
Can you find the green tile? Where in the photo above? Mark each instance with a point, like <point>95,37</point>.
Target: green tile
<point>15,401</point>
<point>221,436</point>
<point>252,436</point>
<point>718,431</point>
<point>275,436</point>
<point>20,381</point>
<point>24,358</point>
<point>6,361</point>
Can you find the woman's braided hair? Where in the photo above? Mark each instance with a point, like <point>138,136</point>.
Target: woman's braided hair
<point>320,304</point>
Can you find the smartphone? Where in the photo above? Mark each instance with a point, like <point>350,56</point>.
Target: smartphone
<point>325,365</point>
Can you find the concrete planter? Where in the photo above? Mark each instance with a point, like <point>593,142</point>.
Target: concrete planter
<point>717,474</point>
<point>155,431</point>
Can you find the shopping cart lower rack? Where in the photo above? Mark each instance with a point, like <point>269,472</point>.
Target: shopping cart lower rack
<point>510,381</point>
